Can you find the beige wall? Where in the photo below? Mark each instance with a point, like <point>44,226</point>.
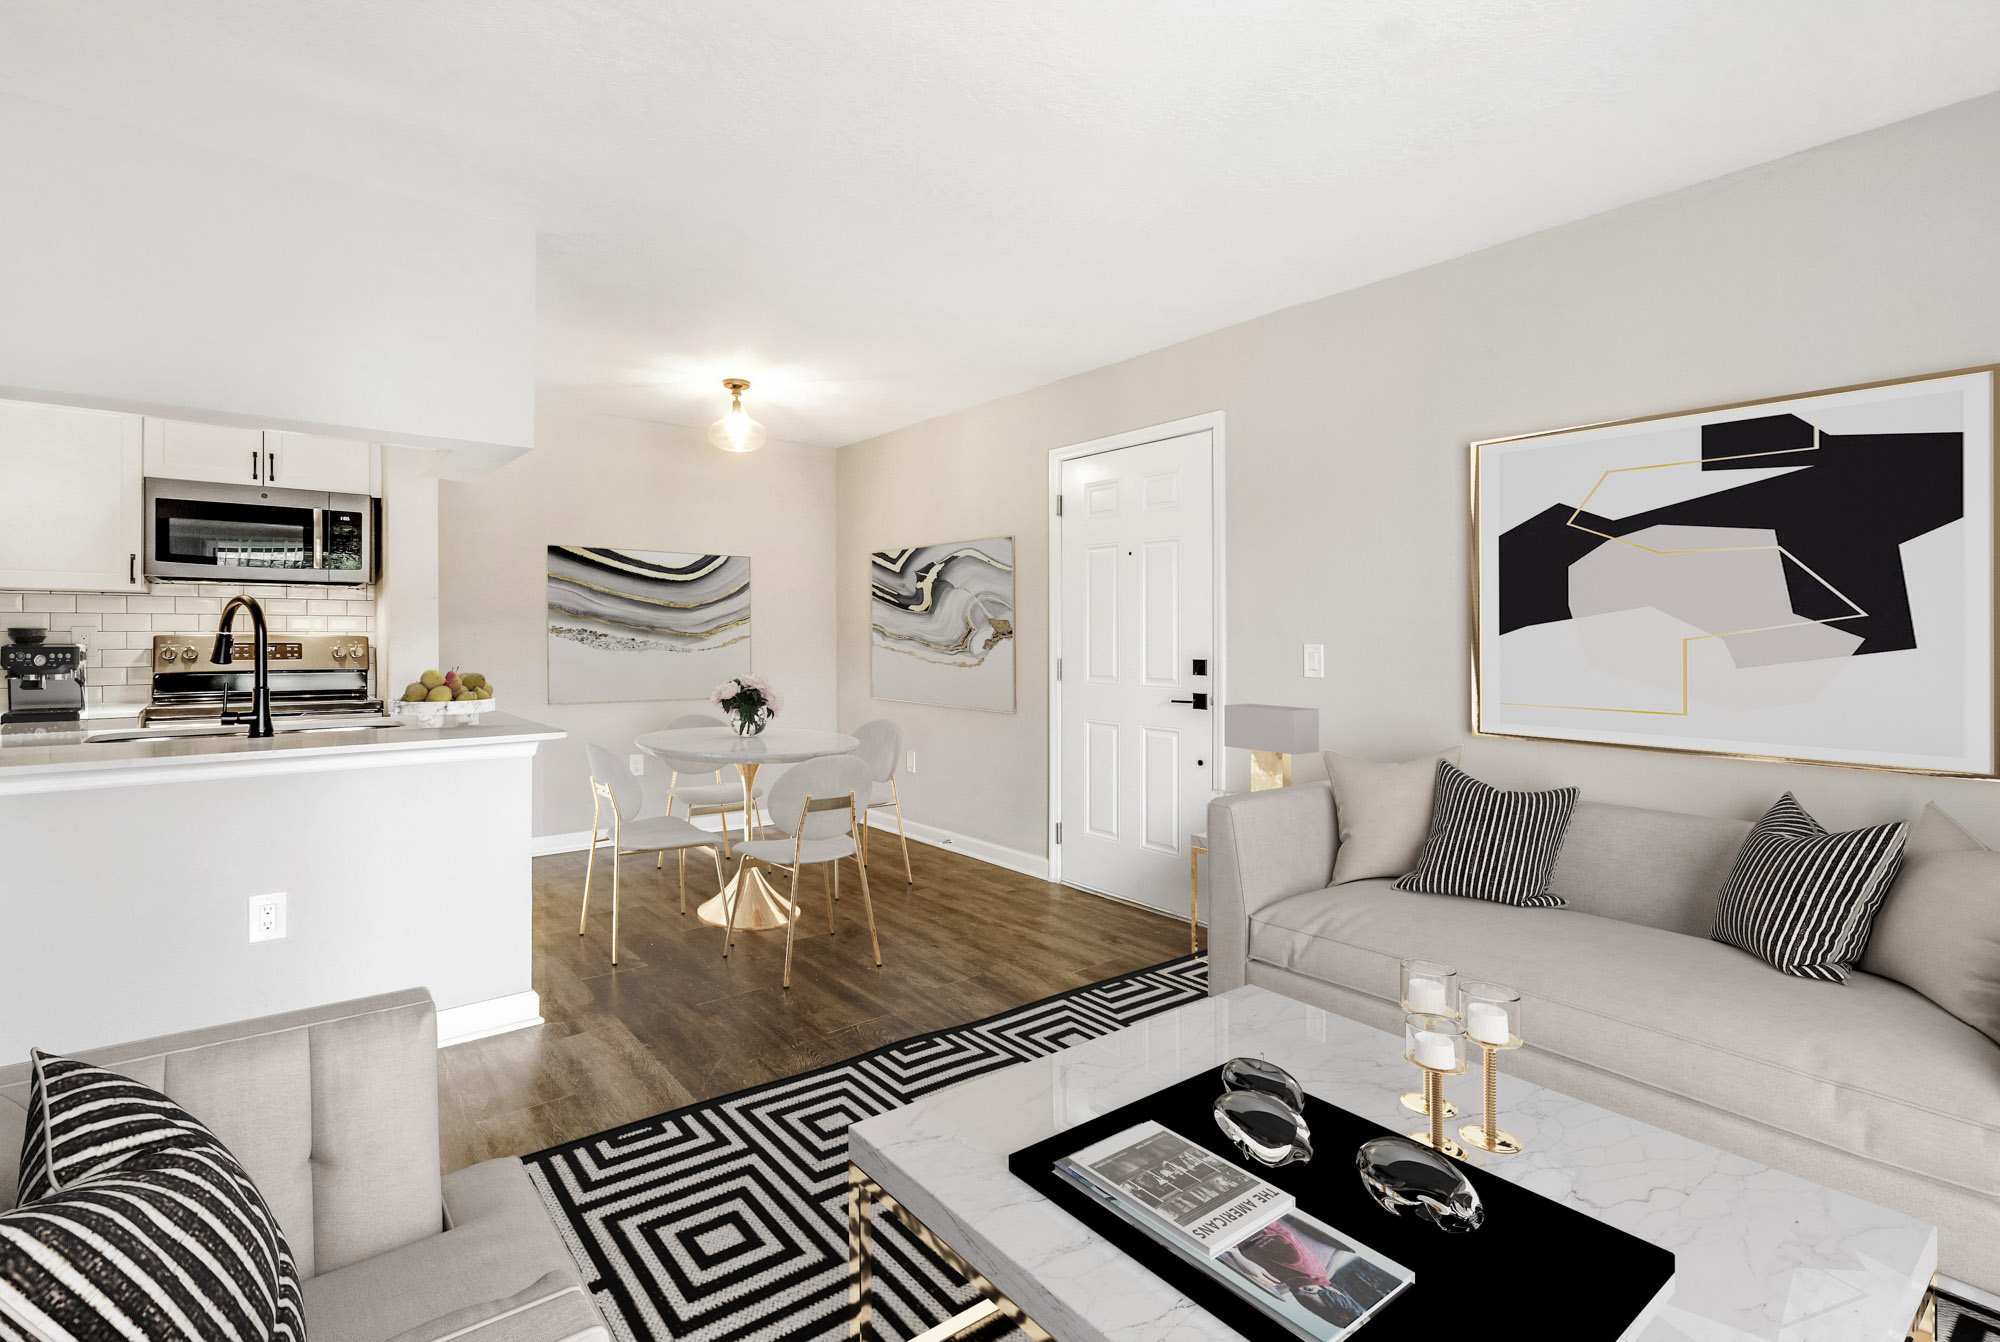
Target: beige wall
<point>1348,421</point>
<point>598,480</point>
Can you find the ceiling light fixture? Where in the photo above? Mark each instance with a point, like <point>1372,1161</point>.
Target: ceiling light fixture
<point>736,431</point>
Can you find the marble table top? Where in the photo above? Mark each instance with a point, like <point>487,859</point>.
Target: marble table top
<point>1759,1253</point>
<point>720,745</point>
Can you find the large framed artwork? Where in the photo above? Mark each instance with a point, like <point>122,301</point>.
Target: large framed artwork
<point>943,620</point>
<point>1806,579</point>
<point>628,625</point>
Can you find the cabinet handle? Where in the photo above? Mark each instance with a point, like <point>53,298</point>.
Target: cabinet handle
<point>270,467</point>
<point>253,463</point>
<point>132,569</point>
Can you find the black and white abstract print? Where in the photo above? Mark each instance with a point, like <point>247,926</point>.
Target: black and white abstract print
<point>943,618</point>
<point>1809,578</point>
<point>630,625</point>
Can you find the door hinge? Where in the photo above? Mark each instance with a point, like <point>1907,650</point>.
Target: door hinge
<point>1058,668</point>
<point>1058,831</point>
<point>1058,505</point>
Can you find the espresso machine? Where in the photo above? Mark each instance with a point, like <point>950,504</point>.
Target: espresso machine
<point>44,680</point>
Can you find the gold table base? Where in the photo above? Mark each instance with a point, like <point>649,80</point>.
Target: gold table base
<point>763,908</point>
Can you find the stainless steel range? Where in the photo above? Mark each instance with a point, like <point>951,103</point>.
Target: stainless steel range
<point>310,673</point>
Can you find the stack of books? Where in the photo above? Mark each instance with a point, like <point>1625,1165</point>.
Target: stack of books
<point>1247,1233</point>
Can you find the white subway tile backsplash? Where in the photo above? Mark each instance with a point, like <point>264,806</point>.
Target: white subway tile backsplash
<point>100,639</point>
<point>10,601</point>
<point>306,623</point>
<point>32,620</point>
<point>123,656</point>
<point>365,609</point>
<point>102,604</point>
<point>128,623</point>
<point>284,606</point>
<point>53,603</point>
<point>346,624</point>
<point>221,589</point>
<point>149,605</point>
<point>197,605</point>
<point>128,694</point>
<point>89,622</point>
<point>175,624</point>
<point>326,608</point>
<point>302,593</point>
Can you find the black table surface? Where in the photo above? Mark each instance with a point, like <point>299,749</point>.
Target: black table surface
<point>1535,1269</point>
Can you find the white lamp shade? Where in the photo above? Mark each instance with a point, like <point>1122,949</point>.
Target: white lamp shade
<point>1287,731</point>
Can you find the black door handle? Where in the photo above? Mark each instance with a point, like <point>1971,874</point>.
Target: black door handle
<point>1199,701</point>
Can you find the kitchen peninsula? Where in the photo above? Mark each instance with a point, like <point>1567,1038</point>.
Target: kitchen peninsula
<point>401,853</point>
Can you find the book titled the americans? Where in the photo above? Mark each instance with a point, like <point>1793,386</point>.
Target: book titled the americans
<point>1189,1189</point>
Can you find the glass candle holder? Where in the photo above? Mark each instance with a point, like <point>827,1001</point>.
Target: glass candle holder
<point>1492,1016</point>
<point>1436,1046</point>
<point>1428,987</point>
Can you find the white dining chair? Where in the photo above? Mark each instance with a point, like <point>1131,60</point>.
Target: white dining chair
<point>816,806</point>
<point>700,788</point>
<point>882,746</point>
<point>659,834</point>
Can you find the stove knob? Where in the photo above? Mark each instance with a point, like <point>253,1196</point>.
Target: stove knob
<point>339,654</point>
<point>168,654</point>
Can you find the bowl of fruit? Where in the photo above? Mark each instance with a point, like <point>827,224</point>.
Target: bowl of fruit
<point>441,697</point>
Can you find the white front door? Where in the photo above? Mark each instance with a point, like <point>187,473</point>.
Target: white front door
<point>1138,610</point>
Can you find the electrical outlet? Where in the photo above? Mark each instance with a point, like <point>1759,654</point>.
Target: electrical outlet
<point>911,767</point>
<point>635,765</point>
<point>1316,661</point>
<point>267,917</point>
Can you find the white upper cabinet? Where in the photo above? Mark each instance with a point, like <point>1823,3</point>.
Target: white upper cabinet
<point>71,498</point>
<point>313,461</point>
<point>183,450</point>
<point>180,449</point>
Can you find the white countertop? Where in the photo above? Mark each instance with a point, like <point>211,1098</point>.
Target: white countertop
<point>29,751</point>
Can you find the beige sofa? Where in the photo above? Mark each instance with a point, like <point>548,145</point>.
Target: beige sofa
<point>1866,1086</point>
<point>334,1112</point>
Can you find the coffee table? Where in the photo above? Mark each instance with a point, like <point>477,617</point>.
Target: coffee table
<point>1759,1253</point>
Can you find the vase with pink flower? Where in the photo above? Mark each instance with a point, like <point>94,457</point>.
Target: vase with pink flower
<point>749,702</point>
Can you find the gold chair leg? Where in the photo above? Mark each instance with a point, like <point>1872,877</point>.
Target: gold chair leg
<point>867,904</point>
<point>614,901</point>
<point>684,882</point>
<point>723,816</point>
<point>589,868</point>
<point>791,926</point>
<point>716,853</point>
<point>860,1252</point>
<point>836,878</point>
<point>729,932</point>
<point>828,876</point>
<point>896,794</point>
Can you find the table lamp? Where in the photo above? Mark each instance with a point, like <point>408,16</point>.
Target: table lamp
<point>1272,734</point>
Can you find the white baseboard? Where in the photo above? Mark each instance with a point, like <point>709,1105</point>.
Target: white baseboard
<point>496,1015</point>
<point>548,845</point>
<point>1013,859</point>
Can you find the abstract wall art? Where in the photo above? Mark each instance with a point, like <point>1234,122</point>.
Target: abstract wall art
<point>943,618</point>
<point>627,625</point>
<point>1807,579</point>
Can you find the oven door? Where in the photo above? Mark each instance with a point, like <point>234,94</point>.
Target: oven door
<point>241,533</point>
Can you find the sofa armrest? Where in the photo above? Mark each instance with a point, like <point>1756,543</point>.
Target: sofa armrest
<point>554,1309</point>
<point>1262,847</point>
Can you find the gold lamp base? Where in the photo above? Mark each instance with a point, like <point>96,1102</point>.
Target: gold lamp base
<point>1413,1100</point>
<point>1498,1142</point>
<point>1446,1147</point>
<point>1269,769</point>
<point>762,908</point>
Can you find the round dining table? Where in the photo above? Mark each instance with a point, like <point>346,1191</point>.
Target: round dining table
<point>761,907</point>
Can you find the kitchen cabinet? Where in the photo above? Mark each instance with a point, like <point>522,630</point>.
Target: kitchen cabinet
<point>71,498</point>
<point>185,450</point>
<point>314,461</point>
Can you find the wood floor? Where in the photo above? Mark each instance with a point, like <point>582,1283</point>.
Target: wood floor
<point>674,1022</point>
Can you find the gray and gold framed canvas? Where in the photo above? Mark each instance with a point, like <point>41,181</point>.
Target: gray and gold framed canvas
<point>628,625</point>
<point>943,622</point>
<point>1808,579</point>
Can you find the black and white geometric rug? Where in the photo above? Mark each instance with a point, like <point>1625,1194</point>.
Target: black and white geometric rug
<point>726,1221</point>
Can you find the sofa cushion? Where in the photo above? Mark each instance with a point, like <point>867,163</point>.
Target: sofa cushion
<point>1657,868</point>
<point>1803,899</point>
<point>136,1221</point>
<point>1867,1066</point>
<point>499,1244</point>
<point>1939,929</point>
<point>1485,843</point>
<point>1384,812</point>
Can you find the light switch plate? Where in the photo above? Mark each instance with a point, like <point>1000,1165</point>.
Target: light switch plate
<point>267,917</point>
<point>635,765</point>
<point>1316,661</point>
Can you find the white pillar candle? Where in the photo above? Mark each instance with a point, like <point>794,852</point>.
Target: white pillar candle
<point>1486,1022</point>
<point>1434,1051</point>
<point>1427,996</point>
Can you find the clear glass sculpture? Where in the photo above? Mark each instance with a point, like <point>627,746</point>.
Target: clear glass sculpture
<point>1267,1077</point>
<point>1264,1128</point>
<point>1404,1175</point>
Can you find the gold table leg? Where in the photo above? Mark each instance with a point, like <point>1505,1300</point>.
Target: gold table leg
<point>1194,900</point>
<point>862,1195</point>
<point>761,907</point>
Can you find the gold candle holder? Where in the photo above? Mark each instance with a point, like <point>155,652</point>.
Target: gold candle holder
<point>1430,987</point>
<point>1492,1016</point>
<point>1435,1045</point>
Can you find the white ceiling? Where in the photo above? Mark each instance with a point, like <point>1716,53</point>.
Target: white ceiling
<point>883,211</point>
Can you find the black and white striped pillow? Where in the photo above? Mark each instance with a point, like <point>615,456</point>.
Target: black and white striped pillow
<point>135,1221</point>
<point>1802,899</point>
<point>1489,844</point>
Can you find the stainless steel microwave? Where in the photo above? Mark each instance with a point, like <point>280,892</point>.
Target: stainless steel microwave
<point>245,533</point>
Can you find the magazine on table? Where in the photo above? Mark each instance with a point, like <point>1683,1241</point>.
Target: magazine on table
<point>1246,1233</point>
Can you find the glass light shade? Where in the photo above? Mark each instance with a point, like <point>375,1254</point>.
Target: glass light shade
<point>1491,1012</point>
<point>736,431</point>
<point>1434,1043</point>
<point>1429,988</point>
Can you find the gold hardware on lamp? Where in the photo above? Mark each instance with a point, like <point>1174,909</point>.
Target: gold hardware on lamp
<point>1492,1016</point>
<point>1486,1135</point>
<point>1432,1041</point>
<point>736,431</point>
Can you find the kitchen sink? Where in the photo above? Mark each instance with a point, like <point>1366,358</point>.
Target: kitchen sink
<point>283,729</point>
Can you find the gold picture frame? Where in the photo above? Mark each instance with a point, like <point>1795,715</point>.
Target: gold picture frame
<point>1556,721</point>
